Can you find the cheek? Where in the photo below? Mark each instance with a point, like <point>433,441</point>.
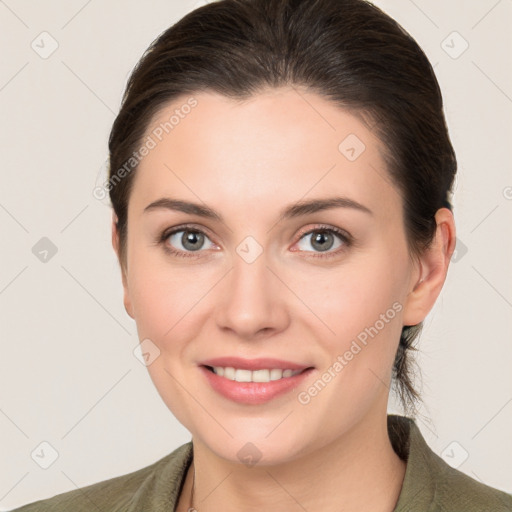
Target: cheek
<point>362,305</point>
<point>169,312</point>
<point>354,298</point>
<point>163,297</point>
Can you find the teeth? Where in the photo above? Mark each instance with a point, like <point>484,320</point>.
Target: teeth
<point>276,374</point>
<point>229,373</point>
<point>243,375</point>
<point>261,375</point>
<point>254,376</point>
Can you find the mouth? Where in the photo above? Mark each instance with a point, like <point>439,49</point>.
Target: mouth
<point>253,387</point>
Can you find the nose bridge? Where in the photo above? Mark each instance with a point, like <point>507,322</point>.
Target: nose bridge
<point>251,300</point>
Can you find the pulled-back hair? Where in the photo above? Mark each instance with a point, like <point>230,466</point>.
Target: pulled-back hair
<point>347,51</point>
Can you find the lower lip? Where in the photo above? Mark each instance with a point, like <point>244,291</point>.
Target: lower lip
<point>253,393</point>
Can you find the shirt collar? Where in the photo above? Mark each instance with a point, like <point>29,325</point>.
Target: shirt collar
<point>418,488</point>
<point>419,485</point>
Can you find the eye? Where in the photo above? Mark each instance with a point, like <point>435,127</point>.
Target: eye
<point>188,241</point>
<point>324,239</point>
<point>185,241</point>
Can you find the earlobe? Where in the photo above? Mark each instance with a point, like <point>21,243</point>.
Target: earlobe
<point>116,244</point>
<point>115,236</point>
<point>433,268</point>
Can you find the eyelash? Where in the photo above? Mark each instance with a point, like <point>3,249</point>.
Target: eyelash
<point>344,237</point>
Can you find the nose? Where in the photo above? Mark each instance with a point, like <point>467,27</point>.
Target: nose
<point>253,301</point>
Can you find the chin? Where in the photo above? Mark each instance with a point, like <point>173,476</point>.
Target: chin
<point>255,450</point>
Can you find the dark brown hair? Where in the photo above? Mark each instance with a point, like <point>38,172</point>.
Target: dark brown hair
<point>348,51</point>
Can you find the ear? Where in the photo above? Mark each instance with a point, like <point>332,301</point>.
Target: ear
<point>116,244</point>
<point>432,269</point>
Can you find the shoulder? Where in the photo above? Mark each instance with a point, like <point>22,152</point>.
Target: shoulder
<point>430,484</point>
<point>139,490</point>
<point>457,491</point>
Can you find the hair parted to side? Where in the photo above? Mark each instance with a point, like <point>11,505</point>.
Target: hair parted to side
<point>349,52</point>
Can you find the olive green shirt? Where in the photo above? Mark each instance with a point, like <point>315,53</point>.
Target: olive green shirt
<point>429,484</point>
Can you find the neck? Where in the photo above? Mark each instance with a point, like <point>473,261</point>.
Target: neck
<point>357,471</point>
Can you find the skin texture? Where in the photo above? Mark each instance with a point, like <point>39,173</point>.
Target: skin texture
<point>248,160</point>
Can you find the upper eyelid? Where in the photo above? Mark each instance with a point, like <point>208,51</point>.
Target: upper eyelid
<point>166,233</point>
<point>337,231</point>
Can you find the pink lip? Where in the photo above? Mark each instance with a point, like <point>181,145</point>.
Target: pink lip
<point>262,363</point>
<point>253,393</point>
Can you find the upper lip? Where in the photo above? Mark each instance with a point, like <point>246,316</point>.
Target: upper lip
<point>254,364</point>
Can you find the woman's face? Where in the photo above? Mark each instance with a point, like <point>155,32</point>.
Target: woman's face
<point>264,278</point>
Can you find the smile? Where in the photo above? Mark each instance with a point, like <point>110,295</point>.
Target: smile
<point>253,387</point>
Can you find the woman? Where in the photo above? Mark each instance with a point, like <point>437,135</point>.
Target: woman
<point>280,173</point>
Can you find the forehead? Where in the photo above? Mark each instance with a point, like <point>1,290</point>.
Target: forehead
<point>280,144</point>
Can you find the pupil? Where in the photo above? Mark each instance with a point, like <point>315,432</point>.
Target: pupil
<point>190,240</point>
<point>320,239</point>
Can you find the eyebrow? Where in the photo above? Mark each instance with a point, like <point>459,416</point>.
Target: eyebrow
<point>298,209</point>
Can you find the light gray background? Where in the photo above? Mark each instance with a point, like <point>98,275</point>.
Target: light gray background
<point>68,375</point>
